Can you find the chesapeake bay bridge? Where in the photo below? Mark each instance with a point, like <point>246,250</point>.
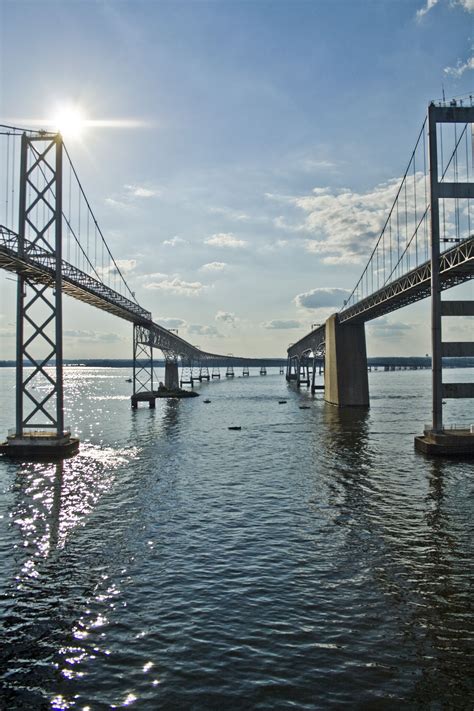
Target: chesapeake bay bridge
<point>51,240</point>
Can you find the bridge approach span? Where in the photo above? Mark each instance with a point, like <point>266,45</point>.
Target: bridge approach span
<point>39,265</point>
<point>456,267</point>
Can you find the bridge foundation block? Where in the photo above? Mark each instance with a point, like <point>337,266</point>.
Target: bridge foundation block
<point>346,382</point>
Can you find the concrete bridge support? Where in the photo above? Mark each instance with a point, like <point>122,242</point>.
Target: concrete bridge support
<point>346,381</point>
<point>171,375</point>
<point>291,368</point>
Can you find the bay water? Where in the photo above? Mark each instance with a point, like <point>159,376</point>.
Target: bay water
<point>310,560</point>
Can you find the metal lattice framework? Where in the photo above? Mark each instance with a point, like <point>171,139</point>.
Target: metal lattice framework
<point>39,305</point>
<point>456,267</point>
<point>38,265</point>
<point>142,362</point>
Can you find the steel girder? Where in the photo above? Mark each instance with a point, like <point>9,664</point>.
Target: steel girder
<point>313,342</point>
<point>456,267</point>
<point>38,266</point>
<point>174,347</point>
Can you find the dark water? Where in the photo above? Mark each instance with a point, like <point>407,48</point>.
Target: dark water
<point>312,560</point>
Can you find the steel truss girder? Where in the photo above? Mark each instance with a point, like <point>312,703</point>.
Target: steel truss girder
<point>313,342</point>
<point>39,267</point>
<point>38,264</point>
<point>456,265</point>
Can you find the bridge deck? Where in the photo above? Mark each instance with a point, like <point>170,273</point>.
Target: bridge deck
<point>456,267</point>
<point>39,265</point>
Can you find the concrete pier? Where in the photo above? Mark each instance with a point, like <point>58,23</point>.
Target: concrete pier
<point>171,375</point>
<point>450,443</point>
<point>346,382</point>
<point>40,445</point>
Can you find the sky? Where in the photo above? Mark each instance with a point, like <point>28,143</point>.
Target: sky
<point>240,114</point>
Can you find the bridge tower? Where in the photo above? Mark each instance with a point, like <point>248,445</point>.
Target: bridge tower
<point>142,367</point>
<point>437,440</point>
<point>39,426</point>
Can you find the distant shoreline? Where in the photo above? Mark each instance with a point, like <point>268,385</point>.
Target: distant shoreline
<point>381,361</point>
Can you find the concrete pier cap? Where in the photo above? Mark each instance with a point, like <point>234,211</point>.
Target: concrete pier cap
<point>346,382</point>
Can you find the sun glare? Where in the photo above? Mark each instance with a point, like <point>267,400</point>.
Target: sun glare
<point>70,122</point>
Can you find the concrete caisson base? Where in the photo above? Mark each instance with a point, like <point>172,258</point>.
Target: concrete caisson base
<point>450,443</point>
<point>40,446</point>
<point>346,381</point>
<point>151,397</point>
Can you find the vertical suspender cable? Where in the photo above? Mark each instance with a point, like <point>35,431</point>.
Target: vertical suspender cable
<point>425,221</point>
<point>467,179</point>
<point>69,218</point>
<point>416,216</point>
<point>7,182</point>
<point>456,176</point>
<point>13,188</point>
<point>442,173</point>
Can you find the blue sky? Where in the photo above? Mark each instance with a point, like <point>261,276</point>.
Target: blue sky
<point>245,108</point>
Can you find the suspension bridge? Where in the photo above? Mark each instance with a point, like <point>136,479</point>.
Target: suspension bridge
<point>51,239</point>
<point>426,246</point>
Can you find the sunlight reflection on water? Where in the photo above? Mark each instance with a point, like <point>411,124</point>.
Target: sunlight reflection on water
<point>310,559</point>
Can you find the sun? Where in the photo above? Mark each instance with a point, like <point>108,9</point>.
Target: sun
<point>70,121</point>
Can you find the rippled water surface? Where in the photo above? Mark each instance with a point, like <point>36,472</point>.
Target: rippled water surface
<point>312,560</point>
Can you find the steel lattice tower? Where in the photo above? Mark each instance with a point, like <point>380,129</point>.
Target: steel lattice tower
<point>39,395</point>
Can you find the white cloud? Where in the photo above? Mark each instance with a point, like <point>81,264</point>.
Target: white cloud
<point>383,328</point>
<point>280,222</point>
<point>126,265</point>
<point>141,191</point>
<point>214,267</point>
<point>344,225</point>
<point>282,325</point>
<point>322,298</point>
<point>177,286</point>
<point>117,204</point>
<point>225,239</point>
<point>230,213</point>
<point>424,10</point>
<point>226,317</point>
<point>315,165</point>
<point>92,336</point>
<point>154,275</point>
<point>197,329</point>
<point>468,5</point>
<point>274,246</point>
<point>171,322</point>
<point>174,241</point>
<point>460,68</point>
